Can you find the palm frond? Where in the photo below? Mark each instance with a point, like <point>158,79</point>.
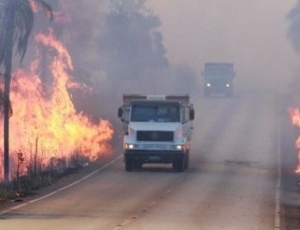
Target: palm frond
<point>16,22</point>
<point>23,26</point>
<point>45,7</point>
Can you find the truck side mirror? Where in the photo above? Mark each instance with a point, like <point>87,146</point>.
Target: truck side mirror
<point>120,112</point>
<point>192,114</point>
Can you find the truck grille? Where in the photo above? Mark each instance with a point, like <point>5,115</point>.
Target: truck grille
<point>155,136</point>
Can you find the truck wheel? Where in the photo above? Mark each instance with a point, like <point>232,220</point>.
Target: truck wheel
<point>179,165</point>
<point>128,164</point>
<point>187,160</point>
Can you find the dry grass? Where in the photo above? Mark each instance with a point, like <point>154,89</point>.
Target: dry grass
<point>22,186</point>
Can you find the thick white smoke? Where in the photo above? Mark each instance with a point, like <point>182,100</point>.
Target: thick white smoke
<point>250,33</point>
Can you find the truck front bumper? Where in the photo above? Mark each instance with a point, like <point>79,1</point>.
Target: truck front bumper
<point>151,156</point>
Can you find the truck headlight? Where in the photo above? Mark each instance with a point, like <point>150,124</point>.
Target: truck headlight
<point>178,147</point>
<point>208,84</point>
<point>227,85</point>
<point>130,146</point>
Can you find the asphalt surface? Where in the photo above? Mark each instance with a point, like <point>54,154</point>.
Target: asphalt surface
<point>230,184</point>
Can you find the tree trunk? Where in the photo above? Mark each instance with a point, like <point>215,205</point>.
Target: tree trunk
<point>7,80</point>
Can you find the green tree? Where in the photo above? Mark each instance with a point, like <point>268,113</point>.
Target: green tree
<point>16,22</point>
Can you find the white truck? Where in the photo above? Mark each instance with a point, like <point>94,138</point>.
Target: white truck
<point>157,129</point>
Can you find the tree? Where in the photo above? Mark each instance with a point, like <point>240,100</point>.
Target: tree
<point>294,28</point>
<point>131,44</point>
<point>16,22</point>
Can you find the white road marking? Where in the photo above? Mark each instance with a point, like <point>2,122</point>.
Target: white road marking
<point>278,189</point>
<point>61,189</point>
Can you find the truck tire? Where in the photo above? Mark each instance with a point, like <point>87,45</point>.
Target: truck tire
<point>187,160</point>
<point>128,164</point>
<point>179,165</point>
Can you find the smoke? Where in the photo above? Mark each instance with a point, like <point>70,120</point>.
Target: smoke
<point>294,35</point>
<point>116,47</point>
<point>160,47</point>
<point>294,28</point>
<point>129,45</point>
<point>251,34</point>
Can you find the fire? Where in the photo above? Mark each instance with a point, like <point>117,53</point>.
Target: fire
<point>49,127</point>
<point>295,116</point>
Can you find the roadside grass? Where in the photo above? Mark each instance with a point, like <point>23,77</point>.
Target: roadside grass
<point>36,178</point>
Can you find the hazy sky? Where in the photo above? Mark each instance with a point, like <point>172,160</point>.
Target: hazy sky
<point>250,33</point>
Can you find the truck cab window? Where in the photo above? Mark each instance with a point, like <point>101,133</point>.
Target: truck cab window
<point>143,114</point>
<point>155,113</point>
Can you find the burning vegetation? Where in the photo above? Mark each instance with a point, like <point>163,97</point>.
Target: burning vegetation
<point>47,128</point>
<point>295,117</point>
<point>124,48</point>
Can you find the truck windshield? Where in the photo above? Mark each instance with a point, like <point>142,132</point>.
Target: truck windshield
<point>219,78</point>
<point>146,112</point>
<point>213,72</point>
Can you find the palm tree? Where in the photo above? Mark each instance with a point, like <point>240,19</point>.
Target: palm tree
<point>16,22</point>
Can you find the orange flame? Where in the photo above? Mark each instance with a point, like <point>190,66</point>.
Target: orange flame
<point>295,116</point>
<point>51,127</point>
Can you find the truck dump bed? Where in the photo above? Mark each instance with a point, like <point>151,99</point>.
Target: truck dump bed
<point>183,99</point>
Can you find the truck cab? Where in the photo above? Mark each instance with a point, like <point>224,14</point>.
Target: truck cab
<point>157,129</point>
<point>218,79</point>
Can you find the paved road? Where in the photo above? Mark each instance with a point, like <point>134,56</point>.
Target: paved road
<point>230,183</point>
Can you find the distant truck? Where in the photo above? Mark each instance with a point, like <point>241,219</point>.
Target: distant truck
<point>157,129</point>
<point>218,79</point>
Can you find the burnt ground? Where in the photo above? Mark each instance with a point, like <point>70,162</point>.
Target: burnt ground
<point>290,183</point>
